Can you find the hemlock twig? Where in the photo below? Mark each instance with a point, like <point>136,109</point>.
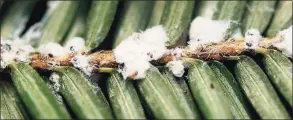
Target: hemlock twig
<point>104,61</point>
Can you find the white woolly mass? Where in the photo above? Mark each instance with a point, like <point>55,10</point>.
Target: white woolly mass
<point>252,38</point>
<point>75,44</point>
<point>137,68</point>
<point>52,48</point>
<point>83,63</point>
<point>176,67</point>
<point>16,50</point>
<point>177,52</point>
<point>286,44</point>
<point>136,51</point>
<point>206,31</point>
<point>55,79</point>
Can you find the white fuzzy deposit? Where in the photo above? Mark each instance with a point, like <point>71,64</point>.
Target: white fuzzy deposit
<point>252,39</point>
<point>286,42</point>
<point>177,52</point>
<point>52,48</point>
<point>83,63</point>
<point>75,44</point>
<point>176,67</point>
<point>206,31</point>
<point>16,50</point>
<point>136,51</point>
<point>55,79</point>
